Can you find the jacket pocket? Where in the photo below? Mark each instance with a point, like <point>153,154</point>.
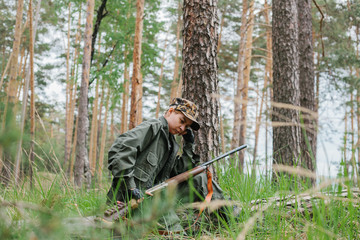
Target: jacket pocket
<point>151,159</point>
<point>146,168</point>
<point>141,174</point>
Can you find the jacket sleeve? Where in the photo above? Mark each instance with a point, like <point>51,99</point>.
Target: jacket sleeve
<point>123,153</point>
<point>186,161</point>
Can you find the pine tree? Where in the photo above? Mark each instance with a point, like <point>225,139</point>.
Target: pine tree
<point>199,72</point>
<point>286,136</point>
<point>308,131</point>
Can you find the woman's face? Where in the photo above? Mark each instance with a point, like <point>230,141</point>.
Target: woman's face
<point>177,122</point>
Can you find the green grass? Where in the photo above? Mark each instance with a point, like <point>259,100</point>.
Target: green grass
<point>53,210</point>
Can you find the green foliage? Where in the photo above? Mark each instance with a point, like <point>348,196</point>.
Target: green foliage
<point>337,40</point>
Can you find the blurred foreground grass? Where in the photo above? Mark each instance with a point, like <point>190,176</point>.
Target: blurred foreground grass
<point>54,209</point>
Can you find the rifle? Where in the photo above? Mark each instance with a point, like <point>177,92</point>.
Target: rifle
<point>121,209</point>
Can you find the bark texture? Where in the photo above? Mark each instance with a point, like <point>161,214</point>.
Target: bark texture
<point>82,169</point>
<point>307,85</point>
<point>200,83</point>
<point>286,137</point>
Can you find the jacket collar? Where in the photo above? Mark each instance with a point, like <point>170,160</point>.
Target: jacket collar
<point>170,138</point>
<point>165,126</point>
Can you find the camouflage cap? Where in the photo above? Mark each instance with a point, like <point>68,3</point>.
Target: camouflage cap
<point>188,108</point>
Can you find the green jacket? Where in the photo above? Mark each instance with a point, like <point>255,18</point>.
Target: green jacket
<point>147,155</point>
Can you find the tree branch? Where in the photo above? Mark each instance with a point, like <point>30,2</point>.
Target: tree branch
<point>106,61</point>
<point>321,21</point>
<point>101,13</point>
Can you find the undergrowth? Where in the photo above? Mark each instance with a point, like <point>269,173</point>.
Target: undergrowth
<point>257,209</point>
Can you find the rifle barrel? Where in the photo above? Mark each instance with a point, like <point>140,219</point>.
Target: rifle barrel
<point>224,155</point>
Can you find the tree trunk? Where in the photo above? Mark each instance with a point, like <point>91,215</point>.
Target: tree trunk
<point>12,87</point>
<point>222,133</point>
<point>286,144</point>
<point>245,85</point>
<point>200,81</point>
<point>26,90</point>
<point>32,99</point>
<point>175,84</point>
<point>136,82</point>
<point>73,152</point>
<point>22,70</point>
<point>72,96</point>
<point>352,116</point>
<point>259,115</point>
<point>179,89</point>
<point>112,127</point>
<point>14,58</point>
<point>101,13</point>
<point>5,70</point>
<point>102,95</point>
<point>103,137</point>
<point>140,104</point>
<point>94,123</point>
<point>269,72</point>
<point>307,85</point>
<point>125,97</point>
<point>317,86</point>
<point>10,57</point>
<point>358,102</point>
<point>68,99</point>
<point>160,81</point>
<point>267,79</point>
<point>82,161</point>
<point>345,141</point>
<point>358,128</point>
<point>94,130</point>
<point>237,101</point>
